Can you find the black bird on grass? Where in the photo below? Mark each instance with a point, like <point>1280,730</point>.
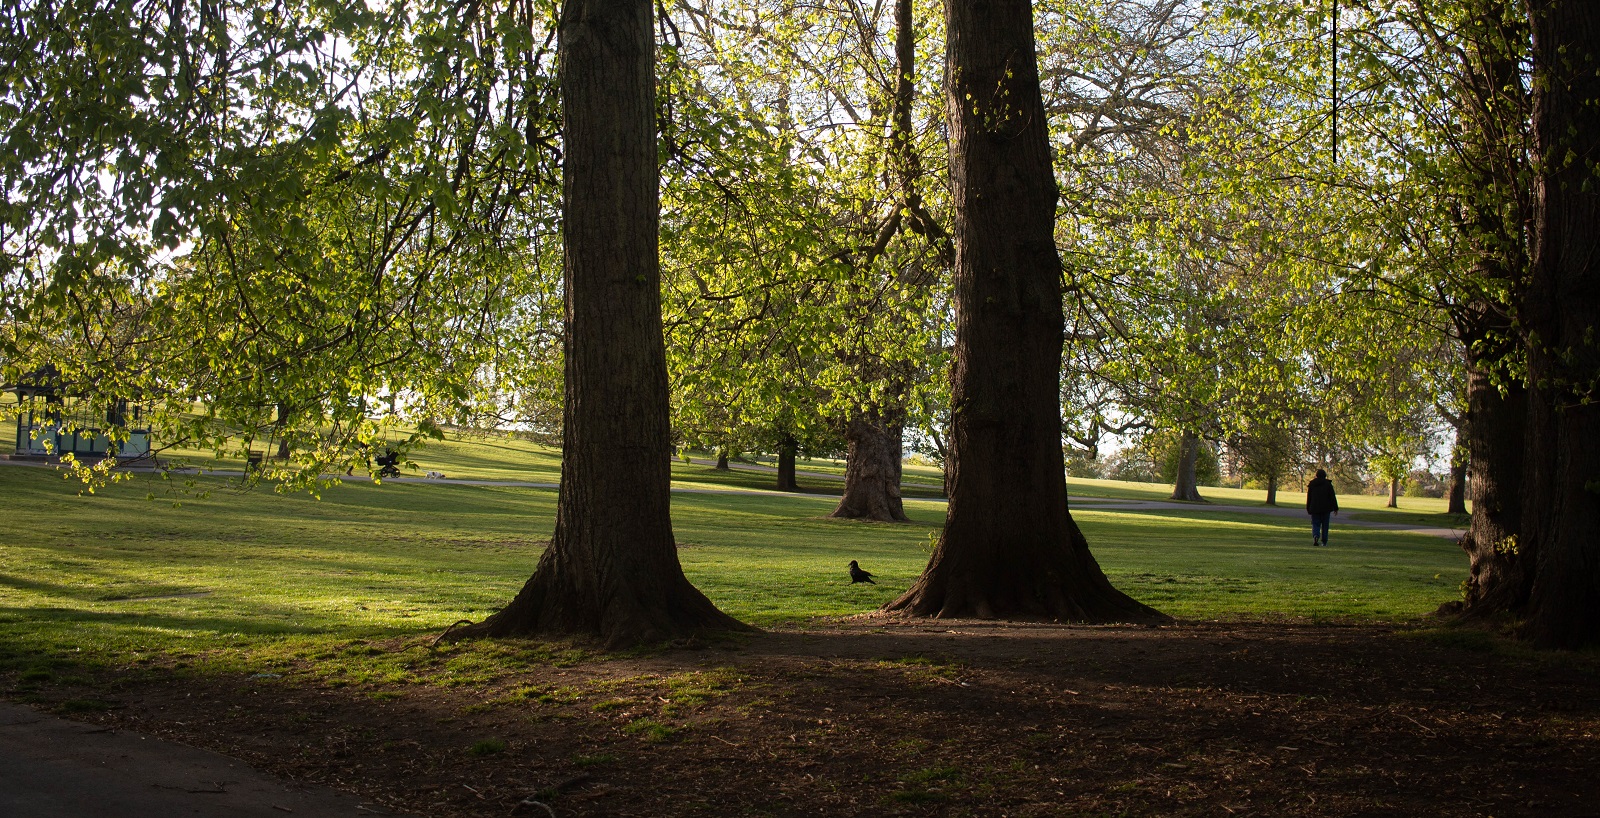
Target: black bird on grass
<point>858,575</point>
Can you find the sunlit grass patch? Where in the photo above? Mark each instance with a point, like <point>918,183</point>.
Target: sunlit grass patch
<point>923,670</point>
<point>650,730</point>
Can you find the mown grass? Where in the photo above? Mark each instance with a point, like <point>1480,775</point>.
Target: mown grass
<point>257,581</point>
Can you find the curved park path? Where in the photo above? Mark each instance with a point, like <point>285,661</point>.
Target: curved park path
<point>1109,504</point>
<point>54,768</point>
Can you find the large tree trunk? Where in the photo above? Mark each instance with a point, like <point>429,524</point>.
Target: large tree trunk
<point>787,449</point>
<point>1495,442</point>
<point>1457,503</point>
<point>872,471</point>
<point>722,460</point>
<point>1495,221</point>
<point>1187,486</point>
<point>1561,517</point>
<point>1394,493</point>
<point>1272,489</point>
<point>1009,548</point>
<point>1498,580</point>
<point>611,570</point>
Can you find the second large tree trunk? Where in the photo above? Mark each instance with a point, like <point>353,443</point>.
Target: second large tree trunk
<point>1187,485</point>
<point>611,570</point>
<point>872,471</point>
<point>1009,548</point>
<point>1561,511</point>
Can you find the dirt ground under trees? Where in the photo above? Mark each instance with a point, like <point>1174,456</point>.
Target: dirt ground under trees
<point>874,716</point>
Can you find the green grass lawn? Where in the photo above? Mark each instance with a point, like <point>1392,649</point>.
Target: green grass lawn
<point>146,566</point>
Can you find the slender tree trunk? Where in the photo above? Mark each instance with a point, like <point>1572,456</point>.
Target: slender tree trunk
<point>872,471</point>
<point>611,570</point>
<point>722,460</point>
<point>283,426</point>
<point>1009,548</point>
<point>1272,489</point>
<point>1458,472</point>
<point>1187,486</point>
<point>1394,493</point>
<point>902,135</point>
<point>786,470</point>
<point>1561,516</point>
<point>900,457</point>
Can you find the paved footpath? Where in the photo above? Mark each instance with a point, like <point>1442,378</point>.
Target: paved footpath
<point>1111,504</point>
<point>53,768</point>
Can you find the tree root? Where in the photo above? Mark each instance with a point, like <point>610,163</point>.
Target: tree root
<point>453,625</point>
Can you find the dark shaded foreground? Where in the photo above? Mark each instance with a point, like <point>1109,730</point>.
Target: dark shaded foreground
<point>889,717</point>
<point>56,768</point>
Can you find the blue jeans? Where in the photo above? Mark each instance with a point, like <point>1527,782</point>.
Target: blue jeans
<point>1319,528</point>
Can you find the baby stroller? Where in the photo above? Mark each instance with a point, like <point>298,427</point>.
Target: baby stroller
<point>388,464</point>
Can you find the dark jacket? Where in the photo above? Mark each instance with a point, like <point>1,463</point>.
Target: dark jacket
<point>1319,497</point>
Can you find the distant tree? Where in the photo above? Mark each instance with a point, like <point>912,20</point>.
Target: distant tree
<point>807,231</point>
<point>1267,453</point>
<point>1183,452</point>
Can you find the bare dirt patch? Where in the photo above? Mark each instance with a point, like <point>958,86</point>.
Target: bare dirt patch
<point>889,717</point>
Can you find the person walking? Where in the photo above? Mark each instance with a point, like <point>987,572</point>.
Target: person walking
<point>1320,502</point>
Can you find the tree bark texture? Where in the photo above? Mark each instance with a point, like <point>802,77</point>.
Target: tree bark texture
<point>611,570</point>
<point>1498,580</point>
<point>1394,493</point>
<point>1187,485</point>
<point>1561,511</point>
<point>1272,489</point>
<point>1009,549</point>
<point>872,471</point>
<point>787,450</point>
<point>1495,217</point>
